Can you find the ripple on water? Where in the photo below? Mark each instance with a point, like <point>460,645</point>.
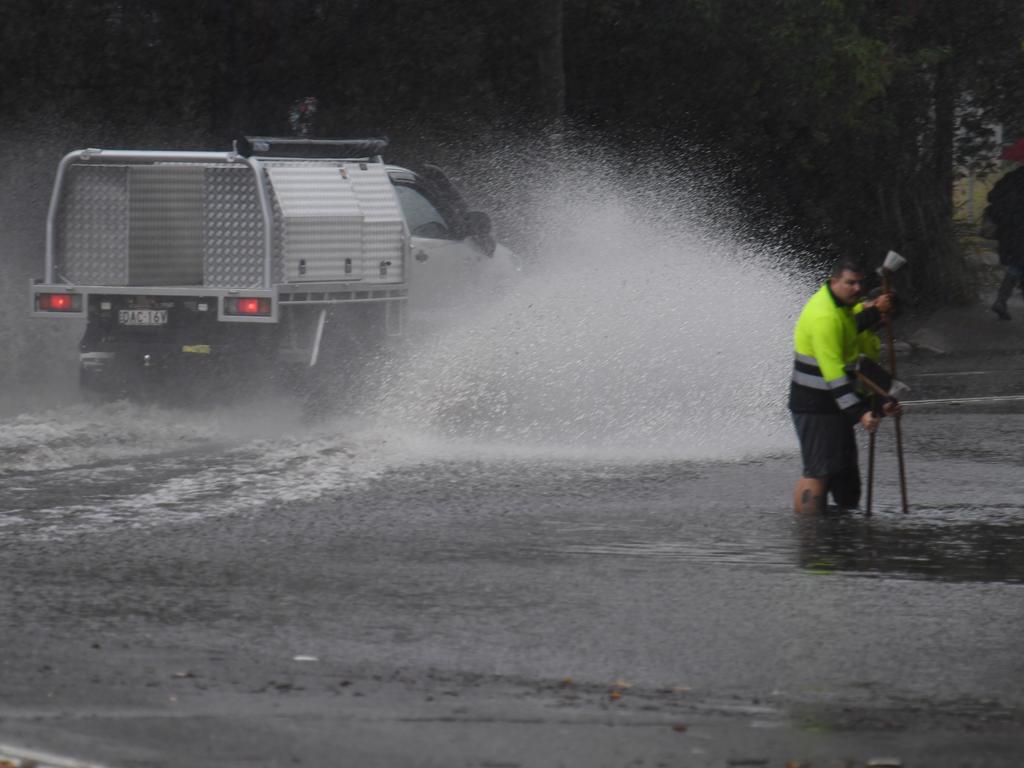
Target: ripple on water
<point>951,543</point>
<point>954,542</point>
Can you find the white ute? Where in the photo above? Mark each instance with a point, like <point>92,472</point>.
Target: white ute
<point>269,257</point>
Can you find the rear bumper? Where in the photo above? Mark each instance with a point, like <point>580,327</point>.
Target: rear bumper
<point>295,294</point>
<point>90,293</point>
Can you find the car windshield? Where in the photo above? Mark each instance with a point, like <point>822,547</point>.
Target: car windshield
<point>423,217</point>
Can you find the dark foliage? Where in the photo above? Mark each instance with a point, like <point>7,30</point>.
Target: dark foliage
<point>844,117</point>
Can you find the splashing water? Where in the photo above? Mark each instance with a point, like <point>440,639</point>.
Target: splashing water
<point>77,469</point>
<point>635,335</point>
<point>639,329</point>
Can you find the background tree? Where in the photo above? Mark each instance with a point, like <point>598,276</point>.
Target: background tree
<point>844,119</point>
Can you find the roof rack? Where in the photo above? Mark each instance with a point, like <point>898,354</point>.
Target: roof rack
<point>247,146</point>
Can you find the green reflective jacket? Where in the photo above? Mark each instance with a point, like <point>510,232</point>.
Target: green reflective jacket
<point>825,341</point>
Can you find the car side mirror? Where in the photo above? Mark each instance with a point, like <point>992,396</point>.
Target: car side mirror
<point>478,223</point>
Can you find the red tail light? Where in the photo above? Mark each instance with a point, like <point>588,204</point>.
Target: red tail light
<point>59,302</point>
<point>258,307</point>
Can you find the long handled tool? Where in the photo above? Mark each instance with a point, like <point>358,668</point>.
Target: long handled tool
<point>985,399</point>
<point>882,385</point>
<point>894,261</point>
<point>871,467</point>
<point>871,471</point>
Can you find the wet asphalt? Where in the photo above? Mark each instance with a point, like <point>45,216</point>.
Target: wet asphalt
<point>532,613</point>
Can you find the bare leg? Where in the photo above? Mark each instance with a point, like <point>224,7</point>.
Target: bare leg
<point>809,495</point>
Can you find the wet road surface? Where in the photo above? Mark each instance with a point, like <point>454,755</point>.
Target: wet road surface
<point>199,589</point>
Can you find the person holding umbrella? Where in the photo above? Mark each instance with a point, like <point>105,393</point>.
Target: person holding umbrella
<point>1006,211</point>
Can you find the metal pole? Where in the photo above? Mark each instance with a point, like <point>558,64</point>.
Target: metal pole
<point>965,400</point>
<point>871,471</point>
<point>896,418</point>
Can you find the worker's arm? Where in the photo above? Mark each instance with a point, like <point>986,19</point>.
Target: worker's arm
<point>868,343</point>
<point>828,351</point>
<point>870,312</point>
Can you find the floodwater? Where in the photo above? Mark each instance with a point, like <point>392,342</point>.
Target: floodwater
<point>589,478</point>
<point>379,552</point>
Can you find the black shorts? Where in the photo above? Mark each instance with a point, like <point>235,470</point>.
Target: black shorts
<point>827,444</point>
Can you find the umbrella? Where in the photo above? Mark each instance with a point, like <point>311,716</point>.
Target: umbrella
<point>1014,152</point>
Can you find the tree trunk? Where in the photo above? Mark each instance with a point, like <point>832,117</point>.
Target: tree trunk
<point>945,119</point>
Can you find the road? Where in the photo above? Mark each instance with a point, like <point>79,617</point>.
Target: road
<point>220,588</point>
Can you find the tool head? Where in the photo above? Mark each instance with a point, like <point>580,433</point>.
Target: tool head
<point>893,261</point>
<point>878,379</point>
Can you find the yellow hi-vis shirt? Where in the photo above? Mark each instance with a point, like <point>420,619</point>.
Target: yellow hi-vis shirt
<point>825,341</point>
<point>868,341</point>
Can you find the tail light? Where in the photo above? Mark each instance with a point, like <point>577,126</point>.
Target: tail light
<point>247,306</point>
<point>59,302</point>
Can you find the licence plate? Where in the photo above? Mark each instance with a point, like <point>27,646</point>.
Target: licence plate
<point>142,316</point>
